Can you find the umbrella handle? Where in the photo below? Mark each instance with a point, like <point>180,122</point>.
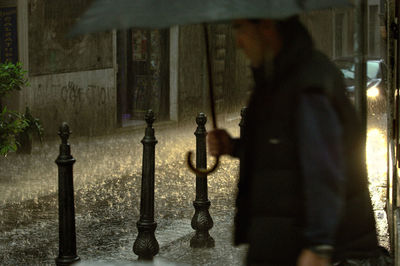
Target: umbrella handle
<point>204,172</point>
<point>201,171</point>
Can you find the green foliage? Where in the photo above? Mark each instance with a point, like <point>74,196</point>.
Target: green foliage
<point>33,125</point>
<point>13,125</point>
<point>12,77</point>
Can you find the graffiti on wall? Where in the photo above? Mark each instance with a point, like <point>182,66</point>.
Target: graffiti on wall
<point>86,100</point>
<point>72,95</point>
<point>92,94</point>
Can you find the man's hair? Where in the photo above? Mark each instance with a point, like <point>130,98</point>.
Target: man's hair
<point>290,20</point>
<point>254,21</point>
<point>288,28</point>
<point>291,28</point>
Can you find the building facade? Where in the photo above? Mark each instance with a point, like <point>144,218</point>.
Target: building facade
<point>103,81</point>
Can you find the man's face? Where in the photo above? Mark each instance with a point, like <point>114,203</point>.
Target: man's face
<point>257,40</point>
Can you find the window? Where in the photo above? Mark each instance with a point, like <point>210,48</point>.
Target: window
<point>8,35</point>
<point>373,29</point>
<point>339,34</point>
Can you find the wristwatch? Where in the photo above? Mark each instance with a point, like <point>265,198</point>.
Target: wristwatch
<point>324,251</point>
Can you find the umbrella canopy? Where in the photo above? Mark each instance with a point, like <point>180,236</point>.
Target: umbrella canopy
<point>119,14</point>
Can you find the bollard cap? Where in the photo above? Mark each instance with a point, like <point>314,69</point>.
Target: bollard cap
<point>64,132</point>
<point>150,117</point>
<point>201,119</point>
<point>65,157</point>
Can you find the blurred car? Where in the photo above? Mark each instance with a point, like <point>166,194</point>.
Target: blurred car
<point>376,81</point>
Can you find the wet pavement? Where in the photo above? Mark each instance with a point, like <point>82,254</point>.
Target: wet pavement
<point>377,173</point>
<point>107,178</point>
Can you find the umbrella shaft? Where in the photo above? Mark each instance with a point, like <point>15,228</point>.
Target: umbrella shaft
<point>210,77</point>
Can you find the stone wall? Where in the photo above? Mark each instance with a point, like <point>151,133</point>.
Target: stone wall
<point>71,79</point>
<point>86,100</point>
<point>192,78</point>
<point>51,51</point>
<point>319,24</point>
<point>230,68</point>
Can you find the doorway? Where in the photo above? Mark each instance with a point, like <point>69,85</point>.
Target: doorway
<point>143,75</point>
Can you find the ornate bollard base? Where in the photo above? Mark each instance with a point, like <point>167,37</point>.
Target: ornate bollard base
<point>202,223</point>
<point>202,240</point>
<point>146,245</point>
<point>66,260</point>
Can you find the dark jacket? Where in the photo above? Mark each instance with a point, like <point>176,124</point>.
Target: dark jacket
<point>270,203</point>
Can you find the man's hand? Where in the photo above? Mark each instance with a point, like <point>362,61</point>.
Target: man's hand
<point>309,258</point>
<point>219,142</point>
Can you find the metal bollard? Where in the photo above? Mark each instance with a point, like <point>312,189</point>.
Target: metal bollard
<point>242,121</point>
<point>66,210</point>
<point>146,245</point>
<point>201,221</point>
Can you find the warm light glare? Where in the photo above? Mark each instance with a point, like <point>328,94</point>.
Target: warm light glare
<point>373,92</point>
<point>376,155</point>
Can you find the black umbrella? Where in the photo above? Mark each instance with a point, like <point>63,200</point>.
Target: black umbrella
<point>119,14</point>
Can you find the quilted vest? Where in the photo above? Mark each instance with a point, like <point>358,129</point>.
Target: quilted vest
<point>269,203</point>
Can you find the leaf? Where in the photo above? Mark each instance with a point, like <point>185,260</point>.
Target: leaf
<point>13,146</point>
<point>12,124</point>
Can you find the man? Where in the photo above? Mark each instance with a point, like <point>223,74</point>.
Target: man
<point>303,197</point>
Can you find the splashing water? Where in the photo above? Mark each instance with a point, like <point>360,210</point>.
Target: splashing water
<point>377,174</point>
<point>107,180</point>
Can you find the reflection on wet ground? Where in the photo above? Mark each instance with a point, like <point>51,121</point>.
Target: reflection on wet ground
<point>377,171</point>
<point>107,186</point>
